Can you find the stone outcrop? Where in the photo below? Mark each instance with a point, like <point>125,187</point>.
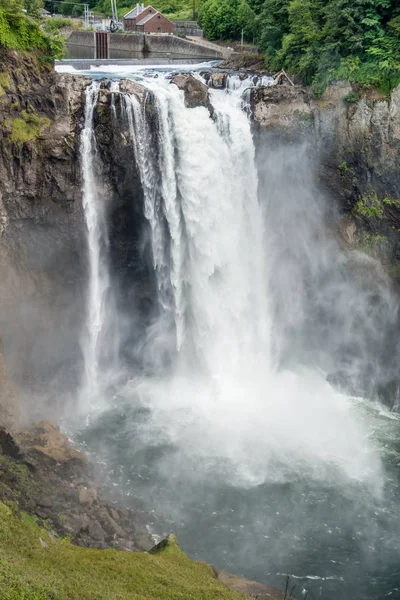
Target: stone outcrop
<point>196,92</point>
<point>53,482</point>
<point>283,108</point>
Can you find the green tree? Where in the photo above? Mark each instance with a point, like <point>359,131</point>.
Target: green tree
<point>34,8</point>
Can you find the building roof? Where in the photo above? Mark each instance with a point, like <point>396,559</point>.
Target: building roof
<point>147,18</point>
<point>151,16</point>
<point>135,12</point>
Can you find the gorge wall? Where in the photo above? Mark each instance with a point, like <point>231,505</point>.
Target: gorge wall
<point>43,255</point>
<point>355,140</point>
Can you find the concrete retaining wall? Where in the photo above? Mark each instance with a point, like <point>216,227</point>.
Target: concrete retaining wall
<point>160,44</point>
<point>188,28</point>
<point>82,38</point>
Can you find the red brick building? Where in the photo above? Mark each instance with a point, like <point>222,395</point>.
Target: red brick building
<point>147,20</point>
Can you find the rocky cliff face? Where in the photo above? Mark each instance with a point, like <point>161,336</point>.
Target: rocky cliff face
<point>41,227</point>
<point>356,142</point>
<point>43,258</point>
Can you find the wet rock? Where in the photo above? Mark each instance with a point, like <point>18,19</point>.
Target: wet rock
<point>218,80</point>
<point>283,106</point>
<point>45,502</point>
<point>42,513</point>
<point>109,525</point>
<point>170,541</point>
<point>131,87</point>
<point>75,524</point>
<point>114,514</point>
<point>8,445</point>
<point>96,531</point>
<point>44,445</point>
<point>195,91</point>
<point>87,495</point>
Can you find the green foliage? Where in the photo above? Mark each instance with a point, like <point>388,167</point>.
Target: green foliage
<point>55,24</point>
<point>28,519</point>
<point>20,32</point>
<point>174,9</point>
<point>62,571</point>
<point>34,8</point>
<point>320,40</point>
<point>351,98</point>
<point>370,206</point>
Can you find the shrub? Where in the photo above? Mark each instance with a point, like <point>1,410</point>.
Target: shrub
<point>55,24</point>
<point>20,32</point>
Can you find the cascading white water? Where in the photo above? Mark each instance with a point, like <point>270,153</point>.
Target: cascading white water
<point>98,291</point>
<point>226,399</point>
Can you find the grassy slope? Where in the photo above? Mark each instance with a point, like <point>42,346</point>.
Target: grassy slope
<point>62,571</point>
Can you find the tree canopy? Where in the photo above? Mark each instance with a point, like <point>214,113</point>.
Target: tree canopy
<point>320,40</point>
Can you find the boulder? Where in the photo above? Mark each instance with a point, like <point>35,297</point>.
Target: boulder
<point>96,532</point>
<point>131,87</point>
<point>87,495</point>
<point>195,91</point>
<point>283,107</point>
<point>109,525</point>
<point>46,448</point>
<point>218,80</point>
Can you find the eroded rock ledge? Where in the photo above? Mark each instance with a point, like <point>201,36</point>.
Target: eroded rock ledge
<point>53,482</point>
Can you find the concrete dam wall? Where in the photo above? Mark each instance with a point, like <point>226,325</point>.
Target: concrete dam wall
<point>146,44</point>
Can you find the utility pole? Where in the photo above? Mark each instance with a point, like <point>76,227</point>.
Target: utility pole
<point>242,39</point>
<point>194,10</point>
<point>86,16</point>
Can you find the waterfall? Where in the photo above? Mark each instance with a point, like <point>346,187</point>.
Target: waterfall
<point>95,344</point>
<point>210,255</point>
<point>209,276</point>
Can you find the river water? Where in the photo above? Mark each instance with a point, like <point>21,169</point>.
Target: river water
<point>237,442</point>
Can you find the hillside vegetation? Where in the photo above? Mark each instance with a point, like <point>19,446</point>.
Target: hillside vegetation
<point>20,30</point>
<point>36,566</point>
<point>173,9</point>
<point>319,40</point>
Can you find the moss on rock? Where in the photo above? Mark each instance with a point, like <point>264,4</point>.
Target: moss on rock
<point>29,126</point>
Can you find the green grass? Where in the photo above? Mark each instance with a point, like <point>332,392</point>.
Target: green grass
<point>62,571</point>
